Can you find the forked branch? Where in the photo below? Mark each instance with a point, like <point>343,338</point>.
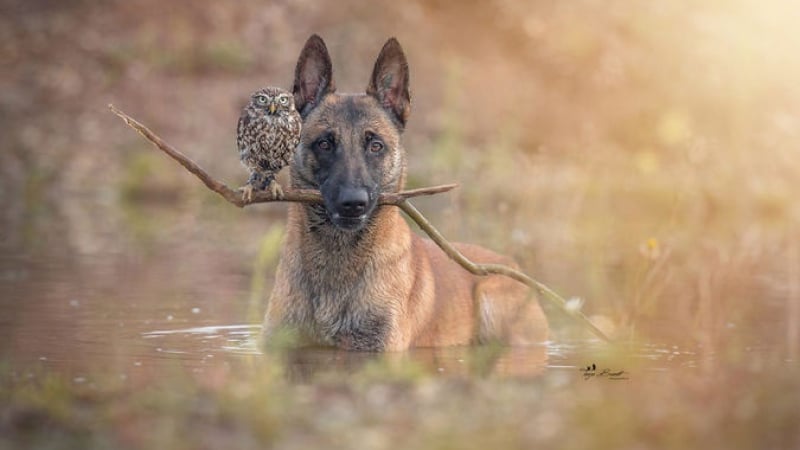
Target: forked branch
<point>235,195</point>
<point>399,199</point>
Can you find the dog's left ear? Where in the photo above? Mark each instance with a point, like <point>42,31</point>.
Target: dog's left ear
<point>389,81</point>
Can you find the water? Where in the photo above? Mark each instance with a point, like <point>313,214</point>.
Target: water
<point>100,312</point>
<point>154,314</point>
<point>142,287</point>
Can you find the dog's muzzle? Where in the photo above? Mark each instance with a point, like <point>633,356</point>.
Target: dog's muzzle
<point>351,208</point>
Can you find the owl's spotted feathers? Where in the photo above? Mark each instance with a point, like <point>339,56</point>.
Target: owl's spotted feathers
<point>268,132</point>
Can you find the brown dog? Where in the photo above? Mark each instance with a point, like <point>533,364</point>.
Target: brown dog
<point>351,273</point>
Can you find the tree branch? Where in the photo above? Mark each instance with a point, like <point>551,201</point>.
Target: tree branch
<point>235,195</point>
<point>497,269</point>
<point>399,199</point>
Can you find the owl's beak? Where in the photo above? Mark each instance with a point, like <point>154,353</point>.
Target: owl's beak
<point>272,108</point>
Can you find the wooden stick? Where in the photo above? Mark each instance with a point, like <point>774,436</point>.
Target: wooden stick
<point>399,199</point>
<point>235,195</point>
<point>498,269</point>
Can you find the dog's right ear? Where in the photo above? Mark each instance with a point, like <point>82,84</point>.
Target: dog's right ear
<point>313,76</point>
<point>389,82</point>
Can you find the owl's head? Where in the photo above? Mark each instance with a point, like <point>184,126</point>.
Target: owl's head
<point>272,101</point>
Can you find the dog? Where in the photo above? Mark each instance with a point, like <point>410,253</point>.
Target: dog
<point>351,274</point>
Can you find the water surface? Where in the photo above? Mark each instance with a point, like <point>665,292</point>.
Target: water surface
<point>95,312</point>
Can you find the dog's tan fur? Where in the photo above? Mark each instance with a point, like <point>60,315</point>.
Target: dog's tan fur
<point>378,286</point>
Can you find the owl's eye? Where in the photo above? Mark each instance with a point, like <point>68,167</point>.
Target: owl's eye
<point>262,99</point>
<point>284,100</point>
<point>375,146</point>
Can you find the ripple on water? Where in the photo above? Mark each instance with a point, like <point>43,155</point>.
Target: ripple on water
<point>205,342</point>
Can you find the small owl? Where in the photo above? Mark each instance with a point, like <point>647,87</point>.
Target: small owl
<point>268,132</point>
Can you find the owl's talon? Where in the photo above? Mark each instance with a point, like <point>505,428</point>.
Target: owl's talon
<point>276,189</point>
<point>247,193</point>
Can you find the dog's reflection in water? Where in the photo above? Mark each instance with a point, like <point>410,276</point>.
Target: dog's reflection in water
<point>306,364</point>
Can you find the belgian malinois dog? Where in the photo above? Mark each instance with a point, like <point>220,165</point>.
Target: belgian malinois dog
<point>351,273</point>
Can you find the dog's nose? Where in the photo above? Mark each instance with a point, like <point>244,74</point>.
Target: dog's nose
<point>352,202</point>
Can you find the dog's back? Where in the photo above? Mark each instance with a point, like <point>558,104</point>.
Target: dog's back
<point>351,273</point>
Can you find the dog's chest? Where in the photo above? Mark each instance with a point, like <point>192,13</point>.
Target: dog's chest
<point>346,311</point>
<point>361,329</point>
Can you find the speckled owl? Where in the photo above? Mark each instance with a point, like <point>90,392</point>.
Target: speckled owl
<point>268,132</point>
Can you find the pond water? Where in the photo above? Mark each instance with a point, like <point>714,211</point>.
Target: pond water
<point>149,319</point>
<point>95,313</point>
<point>137,286</point>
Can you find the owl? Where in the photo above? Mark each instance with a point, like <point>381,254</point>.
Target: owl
<point>267,133</point>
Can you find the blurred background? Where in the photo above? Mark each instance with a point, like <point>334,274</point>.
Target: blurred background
<point>642,157</point>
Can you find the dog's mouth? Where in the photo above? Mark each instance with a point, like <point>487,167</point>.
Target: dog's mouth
<point>349,208</point>
<point>347,222</point>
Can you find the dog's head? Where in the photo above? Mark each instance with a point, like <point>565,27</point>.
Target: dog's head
<point>350,145</point>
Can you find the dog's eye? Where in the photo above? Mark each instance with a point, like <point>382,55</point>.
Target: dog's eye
<point>375,146</point>
<point>324,145</point>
